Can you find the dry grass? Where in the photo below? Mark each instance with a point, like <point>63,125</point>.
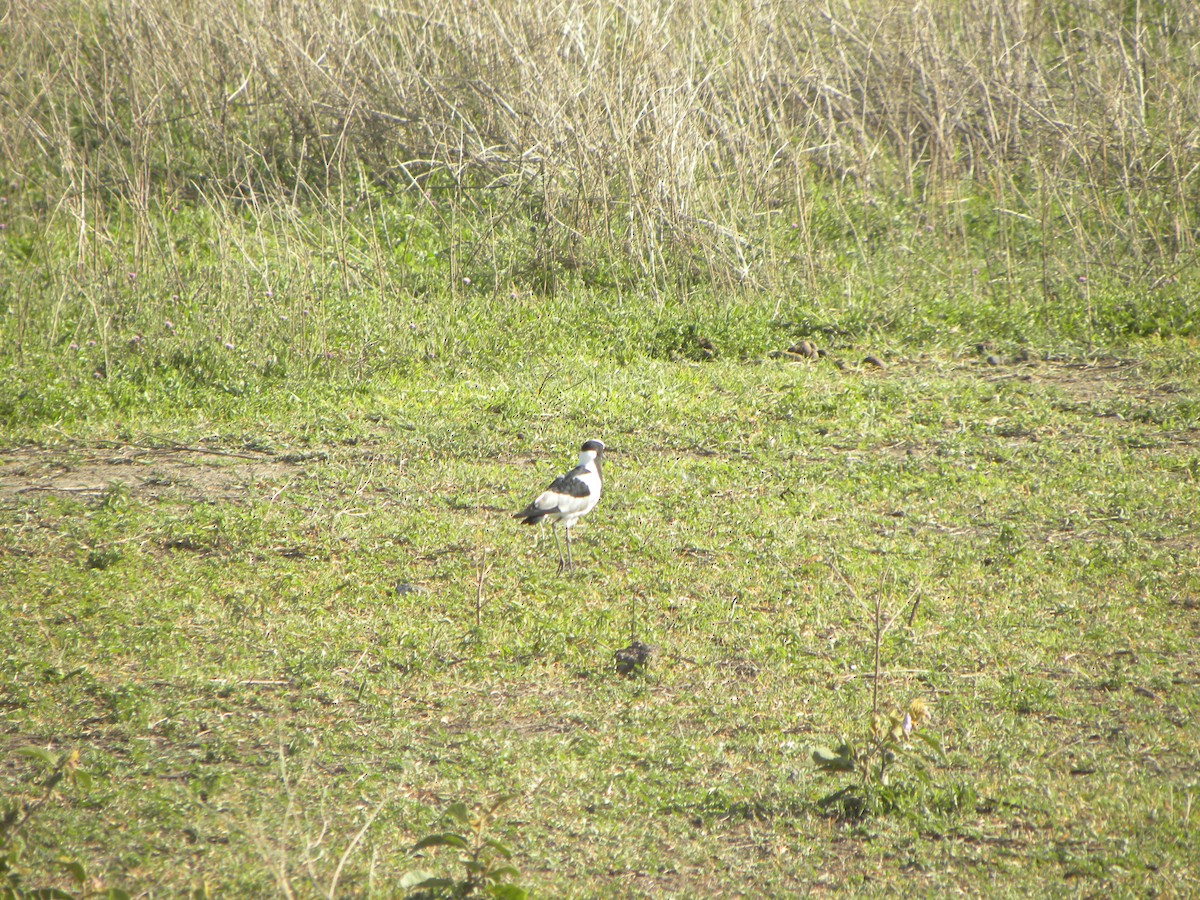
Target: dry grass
<point>675,140</point>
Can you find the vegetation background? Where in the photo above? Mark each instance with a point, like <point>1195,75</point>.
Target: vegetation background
<point>300,298</point>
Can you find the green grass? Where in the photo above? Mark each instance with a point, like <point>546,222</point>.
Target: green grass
<point>296,309</point>
<point>218,629</point>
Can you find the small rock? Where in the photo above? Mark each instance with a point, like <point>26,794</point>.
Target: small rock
<point>632,658</point>
<point>873,360</point>
<point>992,360</point>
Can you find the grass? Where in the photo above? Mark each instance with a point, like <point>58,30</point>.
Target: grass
<point>297,309</point>
<point>223,637</point>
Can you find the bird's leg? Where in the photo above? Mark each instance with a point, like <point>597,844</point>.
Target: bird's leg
<point>570,559</point>
<point>558,547</point>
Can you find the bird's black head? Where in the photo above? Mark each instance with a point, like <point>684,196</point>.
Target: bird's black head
<point>595,446</point>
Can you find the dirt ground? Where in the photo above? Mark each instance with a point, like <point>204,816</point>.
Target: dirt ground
<point>214,473</point>
<point>149,473</point>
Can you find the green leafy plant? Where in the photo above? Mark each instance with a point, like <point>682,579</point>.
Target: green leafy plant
<point>486,862</point>
<point>59,769</point>
<point>887,743</point>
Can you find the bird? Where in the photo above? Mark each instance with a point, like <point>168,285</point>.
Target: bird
<point>569,498</point>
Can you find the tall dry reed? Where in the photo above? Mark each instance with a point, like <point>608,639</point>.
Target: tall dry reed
<point>675,138</point>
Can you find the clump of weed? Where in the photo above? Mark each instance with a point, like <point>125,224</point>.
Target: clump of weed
<point>486,868</point>
<point>102,558</point>
<point>886,745</point>
<point>58,769</point>
<point>682,342</point>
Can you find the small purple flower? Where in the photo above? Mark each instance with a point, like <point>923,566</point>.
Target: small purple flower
<point>132,276</point>
<point>228,345</point>
<point>1082,279</point>
<point>168,324</point>
<point>74,346</point>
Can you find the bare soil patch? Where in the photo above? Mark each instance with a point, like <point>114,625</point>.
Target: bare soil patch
<point>150,473</point>
<point>1090,381</point>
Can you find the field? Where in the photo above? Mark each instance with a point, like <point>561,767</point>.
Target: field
<point>886,315</point>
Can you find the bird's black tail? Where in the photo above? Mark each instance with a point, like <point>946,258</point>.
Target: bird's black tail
<point>531,514</point>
